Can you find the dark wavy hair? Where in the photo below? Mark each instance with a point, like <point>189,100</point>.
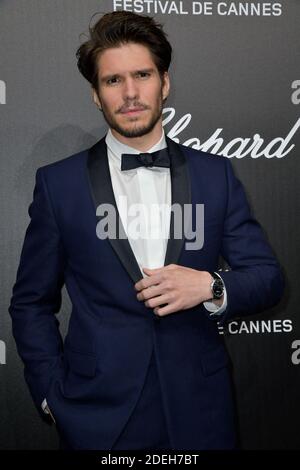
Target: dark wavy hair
<point>122,27</point>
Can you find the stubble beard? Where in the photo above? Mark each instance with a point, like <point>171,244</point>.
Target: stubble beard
<point>137,130</point>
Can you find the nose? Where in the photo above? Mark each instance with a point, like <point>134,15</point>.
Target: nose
<point>130,89</point>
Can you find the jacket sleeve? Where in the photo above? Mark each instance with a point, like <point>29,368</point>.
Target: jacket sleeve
<point>255,281</point>
<point>37,296</point>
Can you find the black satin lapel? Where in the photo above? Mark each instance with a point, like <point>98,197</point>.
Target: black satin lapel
<point>181,194</point>
<point>102,192</point>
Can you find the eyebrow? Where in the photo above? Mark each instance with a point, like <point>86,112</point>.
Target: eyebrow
<point>107,77</point>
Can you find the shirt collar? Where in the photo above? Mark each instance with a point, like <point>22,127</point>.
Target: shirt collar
<point>117,148</point>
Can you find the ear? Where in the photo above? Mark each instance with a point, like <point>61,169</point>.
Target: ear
<point>96,98</point>
<point>165,86</point>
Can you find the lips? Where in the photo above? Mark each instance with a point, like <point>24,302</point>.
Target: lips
<point>132,110</point>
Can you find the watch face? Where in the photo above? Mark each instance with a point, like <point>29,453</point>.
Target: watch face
<point>218,288</point>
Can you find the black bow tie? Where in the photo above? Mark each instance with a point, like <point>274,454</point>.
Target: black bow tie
<point>131,160</point>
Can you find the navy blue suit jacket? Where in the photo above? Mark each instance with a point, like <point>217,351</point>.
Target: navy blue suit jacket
<point>93,378</point>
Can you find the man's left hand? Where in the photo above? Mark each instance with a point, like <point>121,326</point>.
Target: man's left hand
<point>177,286</point>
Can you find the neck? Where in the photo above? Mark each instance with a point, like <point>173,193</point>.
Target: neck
<point>142,143</point>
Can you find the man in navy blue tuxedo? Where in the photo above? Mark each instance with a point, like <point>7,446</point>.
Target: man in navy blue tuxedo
<point>142,365</point>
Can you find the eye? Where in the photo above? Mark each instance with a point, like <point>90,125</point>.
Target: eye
<point>144,74</point>
<point>112,81</point>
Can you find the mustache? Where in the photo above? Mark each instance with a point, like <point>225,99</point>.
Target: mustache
<point>132,104</point>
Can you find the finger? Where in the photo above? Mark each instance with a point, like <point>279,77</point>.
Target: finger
<point>147,282</point>
<point>150,272</point>
<point>156,301</point>
<point>149,292</point>
<point>142,284</point>
<point>161,311</point>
